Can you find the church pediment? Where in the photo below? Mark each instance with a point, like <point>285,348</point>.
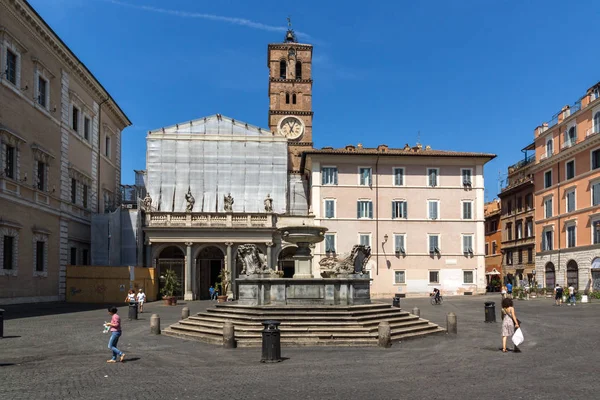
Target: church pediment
<point>217,124</point>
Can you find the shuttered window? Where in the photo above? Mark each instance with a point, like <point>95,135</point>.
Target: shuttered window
<point>329,208</point>
<point>364,209</point>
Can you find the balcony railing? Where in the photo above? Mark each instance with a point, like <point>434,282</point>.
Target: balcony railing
<point>568,143</point>
<point>528,160</point>
<point>592,131</point>
<point>207,220</point>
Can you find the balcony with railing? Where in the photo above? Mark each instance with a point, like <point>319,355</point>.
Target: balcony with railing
<point>526,161</point>
<point>208,220</point>
<point>592,131</point>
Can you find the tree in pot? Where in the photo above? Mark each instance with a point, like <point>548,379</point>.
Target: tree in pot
<point>223,285</point>
<point>170,287</point>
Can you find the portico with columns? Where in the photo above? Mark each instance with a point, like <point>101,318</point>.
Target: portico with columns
<point>198,253</point>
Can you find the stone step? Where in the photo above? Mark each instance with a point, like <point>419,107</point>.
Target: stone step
<point>338,342</point>
<point>283,328</point>
<point>274,313</point>
<point>309,308</point>
<point>284,334</point>
<point>257,322</point>
<point>277,317</point>
<point>435,330</point>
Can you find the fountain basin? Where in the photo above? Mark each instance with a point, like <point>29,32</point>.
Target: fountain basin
<point>255,291</point>
<point>303,234</point>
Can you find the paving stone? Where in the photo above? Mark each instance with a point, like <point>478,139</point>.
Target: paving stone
<point>59,352</point>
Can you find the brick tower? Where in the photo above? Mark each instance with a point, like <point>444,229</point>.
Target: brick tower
<point>290,94</point>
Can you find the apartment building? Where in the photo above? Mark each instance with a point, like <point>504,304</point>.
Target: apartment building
<point>567,194</point>
<point>517,221</point>
<point>60,134</point>
<point>493,244</point>
<point>420,210</point>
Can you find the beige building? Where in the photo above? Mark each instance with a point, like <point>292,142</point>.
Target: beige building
<point>420,210</point>
<point>60,135</point>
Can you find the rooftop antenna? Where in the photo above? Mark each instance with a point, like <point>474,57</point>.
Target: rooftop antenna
<point>418,137</point>
<point>289,20</point>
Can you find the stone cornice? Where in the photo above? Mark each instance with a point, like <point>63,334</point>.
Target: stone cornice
<point>36,24</point>
<point>290,112</point>
<point>275,80</point>
<point>567,153</point>
<point>286,46</point>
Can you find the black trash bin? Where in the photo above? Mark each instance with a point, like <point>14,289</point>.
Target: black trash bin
<point>133,311</point>
<point>396,301</point>
<point>1,323</point>
<point>271,342</point>
<point>490,311</point>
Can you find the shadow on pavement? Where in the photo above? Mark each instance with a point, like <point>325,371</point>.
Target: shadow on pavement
<point>9,337</point>
<point>17,311</point>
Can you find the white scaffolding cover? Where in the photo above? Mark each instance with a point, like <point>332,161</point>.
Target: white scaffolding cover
<point>215,156</point>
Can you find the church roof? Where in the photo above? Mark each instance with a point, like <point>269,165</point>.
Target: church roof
<point>216,124</point>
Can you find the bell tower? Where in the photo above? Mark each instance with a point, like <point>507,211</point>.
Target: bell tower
<point>290,94</point>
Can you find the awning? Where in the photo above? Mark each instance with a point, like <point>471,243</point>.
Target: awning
<point>493,272</point>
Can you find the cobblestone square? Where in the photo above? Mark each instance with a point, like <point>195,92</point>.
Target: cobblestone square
<point>59,352</point>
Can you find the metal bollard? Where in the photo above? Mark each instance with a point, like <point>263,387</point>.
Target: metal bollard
<point>385,334</point>
<point>133,311</point>
<point>155,324</point>
<point>451,323</point>
<point>490,311</point>
<point>185,313</point>
<point>416,311</point>
<point>271,342</point>
<point>228,335</point>
<point>1,323</point>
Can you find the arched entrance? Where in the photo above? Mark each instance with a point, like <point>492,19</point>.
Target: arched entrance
<point>172,258</point>
<point>573,274</point>
<point>209,262</point>
<point>285,262</point>
<point>550,276</point>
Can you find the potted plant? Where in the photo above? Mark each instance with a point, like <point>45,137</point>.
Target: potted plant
<point>170,287</point>
<point>223,285</point>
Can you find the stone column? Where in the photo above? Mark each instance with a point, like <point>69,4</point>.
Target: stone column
<point>189,294</point>
<point>269,255</point>
<point>230,267</point>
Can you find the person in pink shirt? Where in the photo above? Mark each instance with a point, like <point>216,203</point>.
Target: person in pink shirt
<point>115,334</point>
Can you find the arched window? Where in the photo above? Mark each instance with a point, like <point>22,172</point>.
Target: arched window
<point>573,274</point>
<point>570,136</point>
<point>298,70</point>
<point>597,122</point>
<point>282,69</point>
<point>287,98</point>
<point>294,98</point>
<point>550,275</point>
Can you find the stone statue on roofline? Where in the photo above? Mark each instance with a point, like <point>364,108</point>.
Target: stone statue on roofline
<point>268,203</point>
<point>228,202</point>
<point>190,200</point>
<point>147,202</point>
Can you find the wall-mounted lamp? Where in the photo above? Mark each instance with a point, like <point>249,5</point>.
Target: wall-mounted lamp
<point>26,87</point>
<point>53,189</point>
<point>385,238</point>
<point>24,179</point>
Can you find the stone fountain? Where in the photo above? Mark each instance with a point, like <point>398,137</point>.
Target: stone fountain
<point>345,283</point>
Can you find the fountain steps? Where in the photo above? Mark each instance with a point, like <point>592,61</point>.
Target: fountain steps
<point>341,326</point>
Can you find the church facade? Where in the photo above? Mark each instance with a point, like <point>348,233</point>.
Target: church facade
<point>215,183</point>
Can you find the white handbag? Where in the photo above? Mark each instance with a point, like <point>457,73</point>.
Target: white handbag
<point>518,338</point>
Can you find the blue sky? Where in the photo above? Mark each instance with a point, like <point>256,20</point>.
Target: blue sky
<point>470,75</point>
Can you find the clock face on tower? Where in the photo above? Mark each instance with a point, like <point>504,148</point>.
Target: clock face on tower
<point>291,127</point>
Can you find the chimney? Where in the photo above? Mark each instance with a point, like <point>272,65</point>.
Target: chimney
<point>360,146</point>
<point>349,147</point>
<point>383,148</point>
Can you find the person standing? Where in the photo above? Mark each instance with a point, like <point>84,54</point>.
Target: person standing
<point>115,334</point>
<point>130,297</point>
<point>571,294</point>
<point>503,292</point>
<point>509,322</point>
<point>558,293</point>
<point>211,292</point>
<point>509,288</point>
<point>141,299</point>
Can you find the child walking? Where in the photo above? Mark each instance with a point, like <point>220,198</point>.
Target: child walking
<point>115,334</point>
